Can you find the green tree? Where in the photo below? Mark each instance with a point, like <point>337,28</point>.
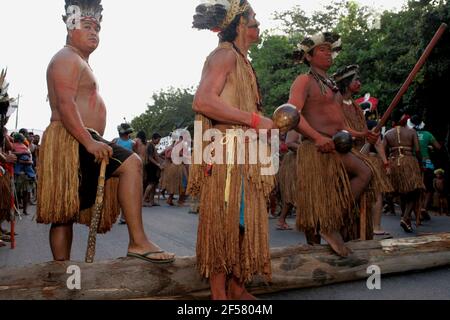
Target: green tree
<point>386,46</point>
<point>171,109</point>
<point>275,70</point>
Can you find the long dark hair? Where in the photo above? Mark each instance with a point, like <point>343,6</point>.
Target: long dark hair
<point>142,136</point>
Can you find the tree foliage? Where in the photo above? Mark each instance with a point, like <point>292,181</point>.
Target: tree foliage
<point>386,46</point>
<point>171,109</point>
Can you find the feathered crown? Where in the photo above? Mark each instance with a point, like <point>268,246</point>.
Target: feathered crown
<point>125,128</point>
<point>7,105</point>
<point>368,103</point>
<point>3,86</point>
<point>217,15</point>
<point>309,43</point>
<point>346,72</point>
<point>85,9</point>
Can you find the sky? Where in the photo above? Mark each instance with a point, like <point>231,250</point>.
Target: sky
<point>145,46</point>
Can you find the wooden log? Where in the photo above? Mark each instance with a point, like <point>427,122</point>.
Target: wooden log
<point>293,268</point>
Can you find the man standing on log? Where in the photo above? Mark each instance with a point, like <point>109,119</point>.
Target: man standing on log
<point>329,183</point>
<point>73,147</point>
<point>233,242</point>
<point>404,158</point>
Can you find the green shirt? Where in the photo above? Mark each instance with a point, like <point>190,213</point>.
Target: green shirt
<point>425,139</point>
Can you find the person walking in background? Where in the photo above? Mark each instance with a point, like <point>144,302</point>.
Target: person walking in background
<point>426,142</point>
<point>152,169</point>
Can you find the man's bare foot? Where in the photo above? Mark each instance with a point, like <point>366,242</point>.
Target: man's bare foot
<point>219,296</point>
<point>336,242</point>
<point>237,291</point>
<point>244,296</point>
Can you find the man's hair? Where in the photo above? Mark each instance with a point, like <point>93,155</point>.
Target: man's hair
<point>417,121</point>
<point>210,17</point>
<point>343,84</point>
<point>142,136</point>
<point>156,136</point>
<point>18,137</point>
<point>306,62</point>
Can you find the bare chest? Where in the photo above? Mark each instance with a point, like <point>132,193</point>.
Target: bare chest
<point>320,104</point>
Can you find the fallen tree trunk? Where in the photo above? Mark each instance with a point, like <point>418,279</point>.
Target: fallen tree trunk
<point>293,268</point>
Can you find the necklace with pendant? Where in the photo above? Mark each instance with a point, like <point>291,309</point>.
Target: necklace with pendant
<point>324,82</point>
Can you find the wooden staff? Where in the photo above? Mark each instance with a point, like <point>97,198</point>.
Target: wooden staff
<point>96,215</point>
<point>408,82</point>
<point>363,219</point>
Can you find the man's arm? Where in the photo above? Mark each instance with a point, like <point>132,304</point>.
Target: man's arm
<point>381,150</point>
<point>135,146</point>
<point>64,74</point>
<point>435,143</point>
<point>386,144</point>
<point>298,95</point>
<point>151,152</point>
<point>292,140</point>
<point>8,143</point>
<point>207,100</point>
<point>416,145</point>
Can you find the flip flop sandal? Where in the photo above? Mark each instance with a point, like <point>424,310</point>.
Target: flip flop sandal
<point>146,257</point>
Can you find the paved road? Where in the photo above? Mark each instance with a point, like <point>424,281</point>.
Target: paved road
<point>175,230</point>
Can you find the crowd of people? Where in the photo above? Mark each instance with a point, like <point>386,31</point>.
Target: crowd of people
<point>160,176</point>
<point>19,157</point>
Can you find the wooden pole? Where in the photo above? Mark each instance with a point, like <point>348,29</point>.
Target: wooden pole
<point>408,82</point>
<point>363,219</point>
<point>96,215</point>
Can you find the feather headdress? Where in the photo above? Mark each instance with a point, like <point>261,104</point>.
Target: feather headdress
<point>309,43</point>
<point>4,86</point>
<point>83,10</point>
<point>346,72</point>
<point>217,15</point>
<point>7,105</point>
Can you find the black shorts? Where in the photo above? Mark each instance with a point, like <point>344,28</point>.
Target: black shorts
<point>90,171</point>
<point>153,173</point>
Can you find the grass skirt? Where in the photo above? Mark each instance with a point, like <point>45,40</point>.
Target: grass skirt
<point>405,174</point>
<point>287,178</point>
<point>324,196</point>
<point>58,171</point>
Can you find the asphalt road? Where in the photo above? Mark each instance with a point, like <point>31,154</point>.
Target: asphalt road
<point>175,230</point>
